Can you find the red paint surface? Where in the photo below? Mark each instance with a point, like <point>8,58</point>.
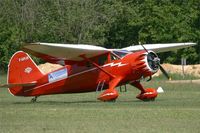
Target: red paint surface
<point>81,78</point>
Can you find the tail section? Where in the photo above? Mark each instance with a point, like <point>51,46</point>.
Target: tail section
<point>21,72</point>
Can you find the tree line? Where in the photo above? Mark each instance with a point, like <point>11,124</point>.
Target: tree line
<point>109,23</point>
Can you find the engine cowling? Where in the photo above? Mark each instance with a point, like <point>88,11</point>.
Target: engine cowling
<point>146,63</point>
<point>152,61</point>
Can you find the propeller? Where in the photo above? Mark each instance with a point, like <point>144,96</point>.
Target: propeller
<point>164,72</point>
<point>143,47</point>
<point>155,61</point>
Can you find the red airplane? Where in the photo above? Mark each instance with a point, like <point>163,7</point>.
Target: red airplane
<point>85,68</point>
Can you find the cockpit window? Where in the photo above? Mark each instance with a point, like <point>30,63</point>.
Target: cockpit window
<point>102,59</point>
<point>121,53</point>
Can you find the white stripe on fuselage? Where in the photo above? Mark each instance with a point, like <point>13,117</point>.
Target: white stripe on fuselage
<point>115,64</point>
<point>106,65</point>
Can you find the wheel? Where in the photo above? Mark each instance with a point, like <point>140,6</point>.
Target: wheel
<point>149,100</point>
<point>153,99</point>
<point>111,101</point>
<point>33,100</point>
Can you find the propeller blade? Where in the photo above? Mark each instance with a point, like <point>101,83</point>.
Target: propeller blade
<point>144,47</point>
<point>164,72</point>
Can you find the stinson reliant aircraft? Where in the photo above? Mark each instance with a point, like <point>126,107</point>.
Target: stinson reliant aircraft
<point>86,68</point>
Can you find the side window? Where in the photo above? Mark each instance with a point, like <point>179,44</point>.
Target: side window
<point>102,59</point>
<point>114,57</point>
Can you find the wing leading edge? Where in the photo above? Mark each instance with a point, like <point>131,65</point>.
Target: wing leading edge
<point>56,52</point>
<point>158,48</point>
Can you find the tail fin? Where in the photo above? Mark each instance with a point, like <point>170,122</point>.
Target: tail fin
<point>22,70</point>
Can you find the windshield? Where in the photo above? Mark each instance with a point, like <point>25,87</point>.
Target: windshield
<point>121,53</point>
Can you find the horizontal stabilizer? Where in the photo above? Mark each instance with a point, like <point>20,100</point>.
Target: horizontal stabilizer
<point>18,84</point>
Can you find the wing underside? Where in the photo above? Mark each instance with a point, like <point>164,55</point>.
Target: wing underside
<point>63,52</point>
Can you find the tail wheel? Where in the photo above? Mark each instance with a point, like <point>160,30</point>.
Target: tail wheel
<point>33,100</point>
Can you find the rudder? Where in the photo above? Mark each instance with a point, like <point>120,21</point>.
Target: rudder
<point>22,70</point>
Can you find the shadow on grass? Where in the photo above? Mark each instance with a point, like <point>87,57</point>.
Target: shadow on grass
<point>56,102</point>
<point>85,102</point>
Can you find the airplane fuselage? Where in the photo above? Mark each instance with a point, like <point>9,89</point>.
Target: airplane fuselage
<point>132,67</point>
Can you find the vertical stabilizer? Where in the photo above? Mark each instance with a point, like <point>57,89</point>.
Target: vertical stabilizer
<point>22,70</point>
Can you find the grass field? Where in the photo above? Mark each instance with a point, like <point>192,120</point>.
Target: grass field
<point>177,110</point>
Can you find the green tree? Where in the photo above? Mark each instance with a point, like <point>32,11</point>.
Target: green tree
<point>110,23</point>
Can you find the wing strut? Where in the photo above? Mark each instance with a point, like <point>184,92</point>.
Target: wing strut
<point>96,65</point>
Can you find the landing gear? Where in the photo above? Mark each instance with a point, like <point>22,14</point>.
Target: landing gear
<point>33,100</point>
<point>111,101</point>
<point>146,94</point>
<point>138,85</point>
<point>109,95</point>
<point>149,95</point>
<point>123,90</point>
<point>148,100</point>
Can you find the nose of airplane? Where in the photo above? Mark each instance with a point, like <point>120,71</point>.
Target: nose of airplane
<point>152,61</point>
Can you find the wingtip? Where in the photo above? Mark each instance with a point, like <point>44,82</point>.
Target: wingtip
<point>190,43</point>
<point>31,43</point>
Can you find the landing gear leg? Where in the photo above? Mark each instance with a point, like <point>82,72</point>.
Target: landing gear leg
<point>111,93</point>
<point>33,100</point>
<point>138,85</point>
